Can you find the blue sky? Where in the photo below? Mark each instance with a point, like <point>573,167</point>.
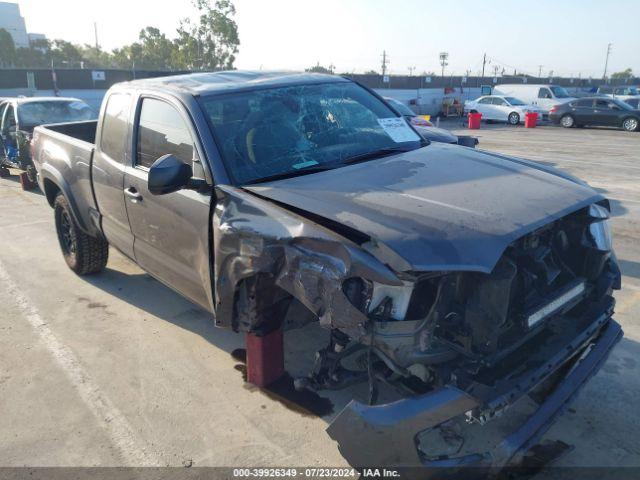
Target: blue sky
<point>568,37</point>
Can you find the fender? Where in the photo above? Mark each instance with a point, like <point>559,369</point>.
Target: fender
<point>47,172</point>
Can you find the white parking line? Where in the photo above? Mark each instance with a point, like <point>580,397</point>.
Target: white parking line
<point>109,417</point>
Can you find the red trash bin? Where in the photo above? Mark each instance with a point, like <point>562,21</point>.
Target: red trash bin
<point>530,119</point>
<point>474,120</point>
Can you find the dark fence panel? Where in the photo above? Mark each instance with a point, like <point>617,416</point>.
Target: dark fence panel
<point>83,79</point>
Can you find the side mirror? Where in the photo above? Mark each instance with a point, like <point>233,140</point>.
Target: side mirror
<point>168,175</point>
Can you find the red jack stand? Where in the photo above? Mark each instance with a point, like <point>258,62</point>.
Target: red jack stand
<point>265,358</point>
<point>26,183</point>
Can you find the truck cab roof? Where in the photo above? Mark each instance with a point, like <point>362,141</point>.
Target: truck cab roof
<point>229,81</point>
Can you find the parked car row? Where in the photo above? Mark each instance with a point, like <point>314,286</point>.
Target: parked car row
<point>509,103</point>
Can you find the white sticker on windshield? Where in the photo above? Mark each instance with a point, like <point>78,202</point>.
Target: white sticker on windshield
<point>77,105</point>
<point>398,129</point>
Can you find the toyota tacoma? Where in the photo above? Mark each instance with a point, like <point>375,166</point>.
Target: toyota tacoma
<point>472,283</point>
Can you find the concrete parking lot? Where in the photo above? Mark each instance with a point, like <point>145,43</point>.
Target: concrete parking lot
<point>116,369</point>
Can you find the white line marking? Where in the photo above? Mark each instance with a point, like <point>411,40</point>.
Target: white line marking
<point>108,416</point>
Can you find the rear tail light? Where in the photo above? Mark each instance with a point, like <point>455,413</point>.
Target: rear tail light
<point>553,109</point>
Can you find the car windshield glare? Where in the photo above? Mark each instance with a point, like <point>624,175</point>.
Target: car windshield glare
<point>560,92</point>
<point>401,107</point>
<point>298,129</point>
<point>41,113</point>
<point>514,101</point>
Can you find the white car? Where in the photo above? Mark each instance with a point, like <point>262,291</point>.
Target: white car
<point>501,108</point>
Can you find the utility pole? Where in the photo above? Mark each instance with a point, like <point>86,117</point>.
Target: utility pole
<point>540,71</point>
<point>385,61</point>
<point>95,32</point>
<point>496,69</point>
<point>606,62</point>
<point>484,62</point>
<point>411,69</point>
<point>443,60</point>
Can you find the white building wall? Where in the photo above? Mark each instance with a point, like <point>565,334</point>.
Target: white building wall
<point>12,21</point>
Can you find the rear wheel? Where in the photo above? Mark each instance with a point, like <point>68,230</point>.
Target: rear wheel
<point>567,121</point>
<point>83,253</point>
<point>514,118</point>
<point>630,124</point>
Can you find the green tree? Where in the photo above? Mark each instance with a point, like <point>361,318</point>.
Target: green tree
<point>156,51</point>
<point>317,68</point>
<point>95,57</point>
<point>211,42</point>
<point>625,74</point>
<point>65,54</point>
<point>7,49</point>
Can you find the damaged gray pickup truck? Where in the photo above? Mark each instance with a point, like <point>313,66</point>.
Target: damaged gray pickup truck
<point>476,285</point>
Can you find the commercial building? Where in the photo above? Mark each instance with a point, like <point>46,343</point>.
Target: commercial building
<point>13,22</point>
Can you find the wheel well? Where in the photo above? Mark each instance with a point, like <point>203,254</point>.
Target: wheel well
<point>261,306</point>
<point>51,191</point>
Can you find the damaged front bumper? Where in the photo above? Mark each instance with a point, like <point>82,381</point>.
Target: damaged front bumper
<point>387,435</point>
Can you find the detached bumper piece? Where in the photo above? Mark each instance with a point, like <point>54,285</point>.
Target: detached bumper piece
<point>467,141</point>
<point>387,435</point>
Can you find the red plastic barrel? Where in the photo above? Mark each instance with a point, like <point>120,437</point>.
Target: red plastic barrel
<point>474,120</point>
<point>530,119</point>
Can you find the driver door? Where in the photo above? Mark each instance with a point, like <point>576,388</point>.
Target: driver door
<point>171,232</point>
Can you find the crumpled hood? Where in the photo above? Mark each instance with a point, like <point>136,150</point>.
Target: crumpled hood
<point>441,207</point>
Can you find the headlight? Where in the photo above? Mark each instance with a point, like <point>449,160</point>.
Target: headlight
<point>599,229</point>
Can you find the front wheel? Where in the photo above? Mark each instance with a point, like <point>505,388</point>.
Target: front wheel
<point>83,253</point>
<point>567,121</point>
<point>514,118</point>
<point>630,124</point>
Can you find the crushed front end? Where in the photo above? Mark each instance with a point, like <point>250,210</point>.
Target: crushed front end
<point>464,350</point>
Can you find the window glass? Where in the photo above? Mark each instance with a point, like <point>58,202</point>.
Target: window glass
<point>35,113</point>
<point>602,104</point>
<point>498,101</point>
<point>401,107</point>
<point>114,126</point>
<point>544,93</point>
<point>514,101</point>
<point>583,103</point>
<point>485,100</point>
<point>560,92</point>
<point>291,130</point>
<point>162,131</point>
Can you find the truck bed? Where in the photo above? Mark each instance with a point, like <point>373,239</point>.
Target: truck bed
<point>66,149</point>
<point>84,131</point>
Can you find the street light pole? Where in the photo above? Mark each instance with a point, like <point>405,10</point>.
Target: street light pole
<point>606,62</point>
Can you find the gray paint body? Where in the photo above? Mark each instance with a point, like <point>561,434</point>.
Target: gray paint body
<point>441,207</point>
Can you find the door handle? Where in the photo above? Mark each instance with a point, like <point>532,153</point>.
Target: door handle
<point>133,194</point>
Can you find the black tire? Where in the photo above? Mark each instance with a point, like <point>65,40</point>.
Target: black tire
<point>83,253</point>
<point>513,118</point>
<point>567,121</point>
<point>630,124</point>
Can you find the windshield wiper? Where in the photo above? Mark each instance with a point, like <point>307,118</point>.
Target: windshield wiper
<point>363,157</point>
<point>292,173</point>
